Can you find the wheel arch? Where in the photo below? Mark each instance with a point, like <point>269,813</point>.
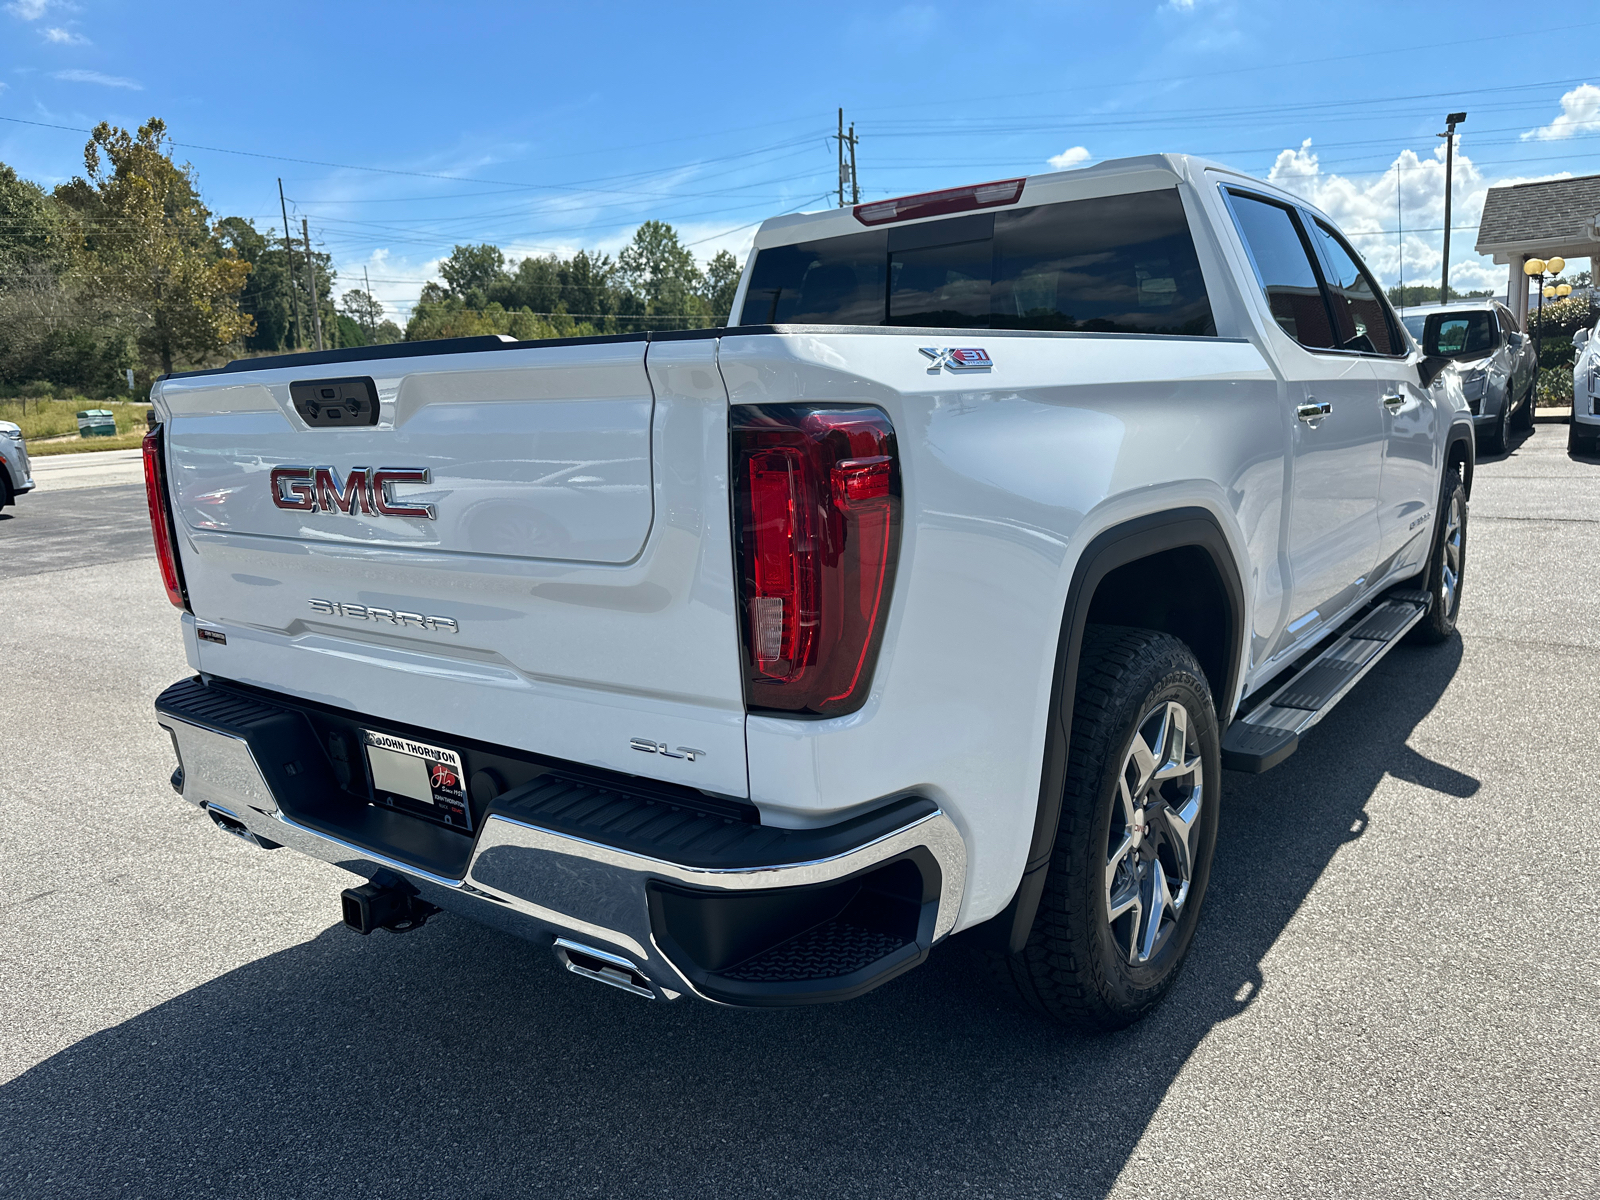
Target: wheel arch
<point>1112,576</point>
<point>1461,451</point>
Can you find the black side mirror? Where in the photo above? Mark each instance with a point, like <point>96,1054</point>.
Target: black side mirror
<point>1431,367</point>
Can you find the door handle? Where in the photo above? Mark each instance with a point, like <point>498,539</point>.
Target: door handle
<point>1313,412</point>
<point>1393,401</point>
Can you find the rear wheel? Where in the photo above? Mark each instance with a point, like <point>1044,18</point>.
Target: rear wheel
<point>1134,846</point>
<point>1446,565</point>
<point>1580,440</point>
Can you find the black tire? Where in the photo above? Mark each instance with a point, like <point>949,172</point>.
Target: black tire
<point>1078,964</point>
<point>7,496</point>
<point>1522,418</point>
<point>1580,442</point>
<point>1498,439</point>
<point>1449,557</point>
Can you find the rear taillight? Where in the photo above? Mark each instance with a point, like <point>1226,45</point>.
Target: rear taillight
<point>161,527</point>
<point>817,510</point>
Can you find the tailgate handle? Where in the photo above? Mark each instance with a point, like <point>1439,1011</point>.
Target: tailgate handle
<point>336,403</point>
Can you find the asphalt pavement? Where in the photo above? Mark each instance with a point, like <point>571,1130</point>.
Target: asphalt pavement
<point>1393,991</point>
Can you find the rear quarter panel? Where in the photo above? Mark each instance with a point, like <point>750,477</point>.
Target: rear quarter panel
<point>1007,475</point>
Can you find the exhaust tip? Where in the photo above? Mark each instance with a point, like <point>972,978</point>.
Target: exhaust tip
<point>230,824</point>
<point>604,967</point>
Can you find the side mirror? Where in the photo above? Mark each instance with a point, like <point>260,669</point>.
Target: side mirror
<point>1518,340</point>
<point>1581,338</point>
<point>1431,367</point>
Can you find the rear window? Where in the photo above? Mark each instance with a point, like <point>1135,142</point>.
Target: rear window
<point>1460,335</point>
<point>1116,264</point>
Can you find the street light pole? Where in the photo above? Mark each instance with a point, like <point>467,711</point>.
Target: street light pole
<point>1449,135</point>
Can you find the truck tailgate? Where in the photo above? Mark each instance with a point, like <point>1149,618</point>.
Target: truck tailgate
<point>571,592</point>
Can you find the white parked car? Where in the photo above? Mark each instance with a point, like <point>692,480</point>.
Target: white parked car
<point>16,474</point>
<point>932,596</point>
<point>1584,432</point>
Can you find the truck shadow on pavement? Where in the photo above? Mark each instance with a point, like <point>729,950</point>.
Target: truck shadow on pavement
<point>458,1062</point>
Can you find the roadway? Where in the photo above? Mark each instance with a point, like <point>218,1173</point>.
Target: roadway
<point>1392,991</point>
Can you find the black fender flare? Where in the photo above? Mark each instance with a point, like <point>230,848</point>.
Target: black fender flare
<point>1464,434</point>
<point>1115,547</point>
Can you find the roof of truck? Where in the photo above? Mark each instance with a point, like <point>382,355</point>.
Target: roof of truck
<point>1144,172</point>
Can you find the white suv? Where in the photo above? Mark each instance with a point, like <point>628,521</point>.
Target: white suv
<point>1585,428</point>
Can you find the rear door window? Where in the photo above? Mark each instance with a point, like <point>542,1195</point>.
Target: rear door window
<point>1282,259</point>
<point>1358,309</point>
<point>1118,264</point>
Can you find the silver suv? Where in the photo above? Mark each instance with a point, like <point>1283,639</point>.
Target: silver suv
<point>1497,360</point>
<point>16,476</point>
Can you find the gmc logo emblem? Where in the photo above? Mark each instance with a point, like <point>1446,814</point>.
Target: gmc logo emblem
<point>317,489</point>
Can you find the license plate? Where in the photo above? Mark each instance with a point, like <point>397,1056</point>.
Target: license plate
<point>418,778</point>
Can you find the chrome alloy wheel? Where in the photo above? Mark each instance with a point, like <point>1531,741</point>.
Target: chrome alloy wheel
<point>1450,572</point>
<point>1149,857</point>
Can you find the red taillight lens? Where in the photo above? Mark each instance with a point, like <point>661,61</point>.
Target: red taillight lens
<point>817,506</point>
<point>939,204</point>
<point>161,527</point>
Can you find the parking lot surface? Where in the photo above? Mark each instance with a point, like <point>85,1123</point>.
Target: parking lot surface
<point>1393,990</point>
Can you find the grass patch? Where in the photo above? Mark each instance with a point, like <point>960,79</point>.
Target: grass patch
<point>59,418</point>
<point>123,441</point>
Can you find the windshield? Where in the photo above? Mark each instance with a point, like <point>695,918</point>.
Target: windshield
<point>1459,335</point>
<point>1414,325</point>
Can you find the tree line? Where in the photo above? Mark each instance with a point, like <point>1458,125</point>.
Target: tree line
<point>124,267</point>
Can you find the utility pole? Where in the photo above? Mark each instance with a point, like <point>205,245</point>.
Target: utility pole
<point>311,283</point>
<point>847,172</point>
<point>1449,135</point>
<point>372,331</point>
<point>288,249</point>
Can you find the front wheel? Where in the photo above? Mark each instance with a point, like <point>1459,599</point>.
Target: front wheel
<point>1134,846</point>
<point>1446,565</point>
<point>1498,439</point>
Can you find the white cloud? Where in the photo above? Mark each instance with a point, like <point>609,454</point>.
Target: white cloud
<point>1069,158</point>
<point>28,10</point>
<point>1179,6</point>
<point>1580,113</point>
<point>1408,194</point>
<point>116,81</point>
<point>63,37</point>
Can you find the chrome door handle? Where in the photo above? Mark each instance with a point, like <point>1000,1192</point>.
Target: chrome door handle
<point>1313,412</point>
<point>1393,401</point>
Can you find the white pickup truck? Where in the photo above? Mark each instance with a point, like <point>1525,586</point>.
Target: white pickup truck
<point>930,596</point>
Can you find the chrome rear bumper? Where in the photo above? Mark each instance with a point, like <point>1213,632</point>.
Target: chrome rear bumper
<point>543,884</point>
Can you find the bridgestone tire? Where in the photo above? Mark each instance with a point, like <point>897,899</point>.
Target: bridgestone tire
<point>1072,968</point>
<point>1440,623</point>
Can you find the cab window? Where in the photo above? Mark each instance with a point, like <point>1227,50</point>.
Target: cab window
<point>1359,314</point>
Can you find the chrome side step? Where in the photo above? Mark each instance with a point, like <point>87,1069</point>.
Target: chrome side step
<point>1270,732</point>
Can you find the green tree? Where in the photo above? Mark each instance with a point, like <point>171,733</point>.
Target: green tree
<point>362,308</point>
<point>721,282</point>
<point>470,272</point>
<point>663,271</point>
<point>145,236</point>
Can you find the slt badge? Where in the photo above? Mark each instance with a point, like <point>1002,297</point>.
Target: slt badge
<point>971,359</point>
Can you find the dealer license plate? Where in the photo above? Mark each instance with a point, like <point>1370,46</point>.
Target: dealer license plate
<point>417,778</point>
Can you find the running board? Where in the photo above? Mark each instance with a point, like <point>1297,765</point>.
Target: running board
<point>1271,731</point>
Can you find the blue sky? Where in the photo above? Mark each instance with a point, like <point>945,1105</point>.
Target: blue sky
<point>401,129</point>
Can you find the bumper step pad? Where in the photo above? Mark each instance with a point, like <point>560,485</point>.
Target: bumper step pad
<point>1270,732</point>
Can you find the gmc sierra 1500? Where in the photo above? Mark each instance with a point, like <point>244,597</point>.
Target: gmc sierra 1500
<point>933,594</point>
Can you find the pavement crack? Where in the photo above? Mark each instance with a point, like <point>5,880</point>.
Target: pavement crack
<point>27,900</point>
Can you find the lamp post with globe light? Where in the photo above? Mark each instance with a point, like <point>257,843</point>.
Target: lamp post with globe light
<point>1540,267</point>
